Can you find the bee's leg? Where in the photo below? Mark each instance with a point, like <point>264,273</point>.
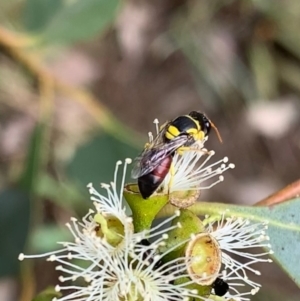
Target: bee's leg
<point>172,174</point>
<point>183,149</point>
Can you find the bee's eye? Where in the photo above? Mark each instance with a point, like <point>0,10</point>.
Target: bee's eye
<point>207,127</point>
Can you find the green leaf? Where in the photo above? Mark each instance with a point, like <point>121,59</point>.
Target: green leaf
<point>14,226</point>
<point>95,161</point>
<point>79,21</point>
<point>284,228</point>
<point>38,13</point>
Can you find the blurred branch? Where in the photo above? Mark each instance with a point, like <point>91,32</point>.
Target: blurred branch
<point>17,47</point>
<point>28,282</point>
<point>285,194</point>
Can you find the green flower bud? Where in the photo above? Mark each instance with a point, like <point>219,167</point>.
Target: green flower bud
<point>190,224</point>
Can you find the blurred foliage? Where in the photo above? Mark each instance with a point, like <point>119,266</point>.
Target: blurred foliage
<point>14,226</point>
<point>58,22</point>
<point>39,13</point>
<point>65,62</point>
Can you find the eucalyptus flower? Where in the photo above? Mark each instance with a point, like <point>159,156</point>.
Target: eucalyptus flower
<point>91,272</point>
<point>243,243</point>
<point>117,257</point>
<point>221,252</point>
<point>106,260</point>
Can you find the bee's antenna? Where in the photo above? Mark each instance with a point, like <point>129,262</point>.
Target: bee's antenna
<point>217,132</point>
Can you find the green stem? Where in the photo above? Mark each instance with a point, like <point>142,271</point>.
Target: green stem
<point>143,211</point>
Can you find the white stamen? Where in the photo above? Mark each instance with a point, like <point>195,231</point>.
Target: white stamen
<point>237,238</point>
<point>189,175</point>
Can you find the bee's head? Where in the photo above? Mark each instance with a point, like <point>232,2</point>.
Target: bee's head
<point>204,122</point>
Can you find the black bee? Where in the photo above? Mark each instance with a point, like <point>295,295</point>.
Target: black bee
<point>154,163</point>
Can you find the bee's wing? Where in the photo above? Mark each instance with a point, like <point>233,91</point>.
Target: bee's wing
<point>152,156</point>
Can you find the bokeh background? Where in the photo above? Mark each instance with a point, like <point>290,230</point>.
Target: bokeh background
<point>82,80</point>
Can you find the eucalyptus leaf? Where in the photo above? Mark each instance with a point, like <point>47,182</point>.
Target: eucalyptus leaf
<point>284,228</point>
<point>79,20</point>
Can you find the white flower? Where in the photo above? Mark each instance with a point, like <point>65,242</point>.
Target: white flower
<point>112,203</point>
<point>134,274</point>
<point>93,269</point>
<point>140,275</point>
<point>189,172</point>
<point>240,241</point>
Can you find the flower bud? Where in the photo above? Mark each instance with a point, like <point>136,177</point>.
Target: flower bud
<point>189,224</point>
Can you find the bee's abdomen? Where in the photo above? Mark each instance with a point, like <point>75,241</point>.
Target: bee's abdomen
<point>163,168</point>
<point>150,182</point>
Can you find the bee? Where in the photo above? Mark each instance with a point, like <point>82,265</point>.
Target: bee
<point>221,287</point>
<point>178,135</point>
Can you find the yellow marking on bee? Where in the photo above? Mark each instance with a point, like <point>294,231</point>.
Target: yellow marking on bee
<point>172,132</point>
<point>192,131</point>
<point>200,136</point>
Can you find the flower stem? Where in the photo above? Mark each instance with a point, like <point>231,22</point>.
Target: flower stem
<point>143,211</point>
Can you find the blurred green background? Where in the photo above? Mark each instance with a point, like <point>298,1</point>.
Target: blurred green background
<point>82,80</point>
